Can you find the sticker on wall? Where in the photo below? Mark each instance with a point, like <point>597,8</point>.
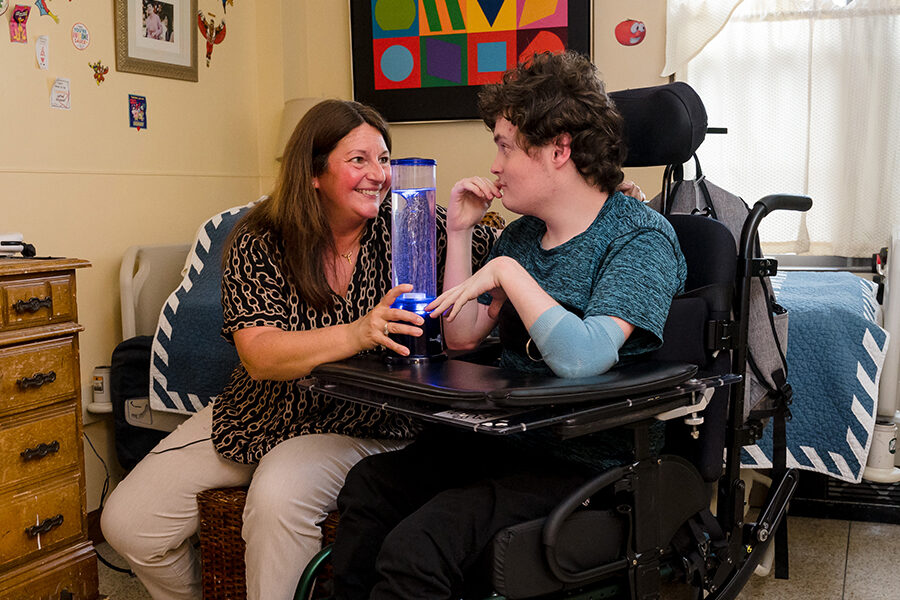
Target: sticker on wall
<point>4,5</point>
<point>81,37</point>
<point>42,51</point>
<point>212,33</point>
<point>224,8</point>
<point>45,12</point>
<point>631,32</point>
<point>17,31</point>
<point>59,94</point>
<point>99,71</point>
<point>137,111</point>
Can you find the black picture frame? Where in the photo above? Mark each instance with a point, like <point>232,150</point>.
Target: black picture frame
<point>445,101</point>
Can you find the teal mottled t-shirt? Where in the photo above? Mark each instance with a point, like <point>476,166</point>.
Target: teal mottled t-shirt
<point>627,264</point>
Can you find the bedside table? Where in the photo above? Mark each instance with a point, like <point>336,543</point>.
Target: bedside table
<point>44,549</point>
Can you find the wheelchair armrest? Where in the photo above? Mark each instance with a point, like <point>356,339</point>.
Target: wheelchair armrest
<point>563,511</point>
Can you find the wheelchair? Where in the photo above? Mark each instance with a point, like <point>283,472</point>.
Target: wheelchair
<point>652,522</point>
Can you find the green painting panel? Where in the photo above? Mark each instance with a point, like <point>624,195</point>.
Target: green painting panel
<point>394,15</point>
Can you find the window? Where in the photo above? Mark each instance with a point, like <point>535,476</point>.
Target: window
<point>808,91</point>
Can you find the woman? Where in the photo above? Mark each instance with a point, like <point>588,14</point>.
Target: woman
<point>152,23</point>
<point>306,281</point>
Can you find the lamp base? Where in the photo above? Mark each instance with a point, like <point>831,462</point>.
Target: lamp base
<point>427,347</point>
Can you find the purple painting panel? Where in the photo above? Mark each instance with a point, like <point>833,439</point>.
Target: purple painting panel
<point>444,60</point>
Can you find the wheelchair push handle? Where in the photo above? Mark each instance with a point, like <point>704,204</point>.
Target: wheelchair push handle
<point>762,208</point>
<point>785,202</point>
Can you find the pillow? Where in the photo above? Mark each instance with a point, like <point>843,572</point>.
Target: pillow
<point>190,362</point>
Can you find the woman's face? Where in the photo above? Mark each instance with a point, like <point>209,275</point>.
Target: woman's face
<point>357,177</point>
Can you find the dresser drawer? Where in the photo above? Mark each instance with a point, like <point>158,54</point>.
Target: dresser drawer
<point>36,374</point>
<point>69,574</point>
<point>37,520</point>
<point>40,444</point>
<point>37,300</point>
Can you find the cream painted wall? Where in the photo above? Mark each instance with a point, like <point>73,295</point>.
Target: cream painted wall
<point>82,183</point>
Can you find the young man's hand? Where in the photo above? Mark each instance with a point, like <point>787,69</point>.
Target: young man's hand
<point>469,200</point>
<point>486,279</point>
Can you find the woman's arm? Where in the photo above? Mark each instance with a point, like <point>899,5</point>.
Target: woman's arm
<point>275,354</point>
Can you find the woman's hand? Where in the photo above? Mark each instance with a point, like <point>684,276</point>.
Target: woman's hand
<point>374,328</point>
<point>630,188</point>
<point>469,200</point>
<point>486,279</point>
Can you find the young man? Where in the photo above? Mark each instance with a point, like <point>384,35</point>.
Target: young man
<point>584,277</point>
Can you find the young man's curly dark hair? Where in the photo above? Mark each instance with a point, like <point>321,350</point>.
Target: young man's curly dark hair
<point>553,94</point>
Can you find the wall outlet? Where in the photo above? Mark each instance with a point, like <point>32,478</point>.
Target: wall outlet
<point>96,405</point>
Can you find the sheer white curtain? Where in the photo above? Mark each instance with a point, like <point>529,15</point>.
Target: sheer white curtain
<point>695,23</point>
<point>808,90</point>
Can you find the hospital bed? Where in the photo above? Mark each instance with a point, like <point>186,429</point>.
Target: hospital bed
<point>147,276</point>
<point>844,358</point>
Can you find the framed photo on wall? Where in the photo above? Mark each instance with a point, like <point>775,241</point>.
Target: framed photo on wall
<point>157,37</point>
<point>425,60</point>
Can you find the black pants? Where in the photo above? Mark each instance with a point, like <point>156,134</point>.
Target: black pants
<point>416,522</point>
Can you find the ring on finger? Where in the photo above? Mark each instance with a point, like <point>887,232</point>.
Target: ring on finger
<point>386,332</point>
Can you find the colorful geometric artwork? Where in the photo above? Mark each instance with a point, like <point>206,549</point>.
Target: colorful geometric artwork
<point>426,59</point>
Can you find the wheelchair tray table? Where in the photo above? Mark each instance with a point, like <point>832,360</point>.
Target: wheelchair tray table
<point>500,401</point>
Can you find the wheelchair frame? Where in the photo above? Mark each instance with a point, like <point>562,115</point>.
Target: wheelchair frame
<point>724,566</point>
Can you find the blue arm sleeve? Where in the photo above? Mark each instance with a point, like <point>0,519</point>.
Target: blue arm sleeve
<point>572,347</point>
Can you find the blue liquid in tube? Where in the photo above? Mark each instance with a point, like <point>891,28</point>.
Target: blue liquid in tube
<point>413,249</point>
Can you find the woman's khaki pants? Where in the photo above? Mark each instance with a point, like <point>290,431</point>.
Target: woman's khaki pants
<point>152,513</point>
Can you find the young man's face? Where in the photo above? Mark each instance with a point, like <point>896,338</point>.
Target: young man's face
<point>522,176</point>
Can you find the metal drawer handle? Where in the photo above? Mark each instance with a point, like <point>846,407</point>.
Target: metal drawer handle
<point>40,451</point>
<point>36,380</point>
<point>45,526</point>
<point>33,304</point>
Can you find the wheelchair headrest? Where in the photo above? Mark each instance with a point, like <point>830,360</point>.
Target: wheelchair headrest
<point>664,125</point>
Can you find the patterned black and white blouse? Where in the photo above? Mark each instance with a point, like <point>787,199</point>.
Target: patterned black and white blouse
<point>252,417</point>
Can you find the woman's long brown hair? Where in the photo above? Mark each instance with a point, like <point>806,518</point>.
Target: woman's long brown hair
<point>294,212</point>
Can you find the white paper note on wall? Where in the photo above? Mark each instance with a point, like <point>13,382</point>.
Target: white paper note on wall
<point>42,51</point>
<point>59,94</point>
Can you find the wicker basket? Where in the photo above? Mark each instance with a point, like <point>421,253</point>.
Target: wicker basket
<point>222,547</point>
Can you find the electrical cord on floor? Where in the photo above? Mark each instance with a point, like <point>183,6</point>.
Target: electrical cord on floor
<point>103,493</point>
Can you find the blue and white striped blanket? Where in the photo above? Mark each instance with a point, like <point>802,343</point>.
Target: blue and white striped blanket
<point>190,361</point>
<point>835,354</point>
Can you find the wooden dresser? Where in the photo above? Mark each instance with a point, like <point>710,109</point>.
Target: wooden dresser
<point>44,549</point>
